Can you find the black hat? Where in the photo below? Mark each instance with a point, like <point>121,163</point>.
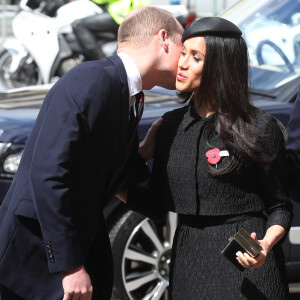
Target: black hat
<point>211,26</point>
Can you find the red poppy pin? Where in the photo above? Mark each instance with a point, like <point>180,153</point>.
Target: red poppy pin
<point>214,156</point>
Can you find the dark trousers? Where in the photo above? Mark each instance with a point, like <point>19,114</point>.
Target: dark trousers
<point>6,294</point>
<point>86,30</point>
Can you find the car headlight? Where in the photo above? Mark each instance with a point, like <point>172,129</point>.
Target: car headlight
<point>12,162</point>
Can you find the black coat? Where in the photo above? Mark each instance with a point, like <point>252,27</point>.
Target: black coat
<point>50,216</point>
<point>211,209</point>
<point>180,181</point>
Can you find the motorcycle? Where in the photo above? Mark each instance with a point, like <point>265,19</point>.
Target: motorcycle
<point>45,47</point>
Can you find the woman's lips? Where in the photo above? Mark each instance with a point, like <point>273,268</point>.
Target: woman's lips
<point>181,76</point>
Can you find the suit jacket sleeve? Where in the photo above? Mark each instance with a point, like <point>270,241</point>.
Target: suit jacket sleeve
<point>150,197</point>
<point>63,129</point>
<point>293,151</point>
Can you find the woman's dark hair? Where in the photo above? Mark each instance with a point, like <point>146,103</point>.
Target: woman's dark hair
<point>225,79</point>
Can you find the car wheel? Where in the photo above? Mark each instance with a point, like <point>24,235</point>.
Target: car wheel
<point>142,254</point>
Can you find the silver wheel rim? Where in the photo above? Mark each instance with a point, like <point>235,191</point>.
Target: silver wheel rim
<point>146,259</point>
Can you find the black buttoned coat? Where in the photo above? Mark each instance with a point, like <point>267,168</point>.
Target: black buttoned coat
<point>50,216</point>
<point>211,208</point>
<point>180,181</point>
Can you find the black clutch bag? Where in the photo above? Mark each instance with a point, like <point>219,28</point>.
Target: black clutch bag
<point>243,242</point>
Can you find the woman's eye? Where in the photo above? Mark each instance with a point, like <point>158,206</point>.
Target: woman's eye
<point>197,58</point>
<point>182,53</point>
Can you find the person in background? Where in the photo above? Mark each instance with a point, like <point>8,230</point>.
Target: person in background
<point>54,244</point>
<point>86,29</point>
<point>219,164</point>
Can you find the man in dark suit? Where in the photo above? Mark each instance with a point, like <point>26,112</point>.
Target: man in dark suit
<point>293,150</point>
<point>52,214</point>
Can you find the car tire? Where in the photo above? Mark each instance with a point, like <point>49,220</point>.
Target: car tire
<point>142,253</point>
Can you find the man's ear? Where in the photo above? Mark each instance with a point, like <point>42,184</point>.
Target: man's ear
<point>164,39</point>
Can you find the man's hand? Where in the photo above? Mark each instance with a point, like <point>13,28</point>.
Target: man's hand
<point>147,146</point>
<point>77,285</point>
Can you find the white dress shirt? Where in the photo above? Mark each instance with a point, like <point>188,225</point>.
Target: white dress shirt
<point>133,77</point>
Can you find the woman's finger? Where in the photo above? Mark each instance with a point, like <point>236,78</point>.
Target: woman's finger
<point>245,260</point>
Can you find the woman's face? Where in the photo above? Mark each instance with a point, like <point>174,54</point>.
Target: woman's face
<point>190,64</point>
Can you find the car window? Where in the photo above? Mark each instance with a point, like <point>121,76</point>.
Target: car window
<point>271,29</point>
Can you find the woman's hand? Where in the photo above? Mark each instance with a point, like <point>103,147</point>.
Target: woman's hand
<point>254,262</point>
<point>273,235</point>
<point>147,146</point>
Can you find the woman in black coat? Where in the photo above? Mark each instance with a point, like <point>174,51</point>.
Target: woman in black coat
<point>219,164</point>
